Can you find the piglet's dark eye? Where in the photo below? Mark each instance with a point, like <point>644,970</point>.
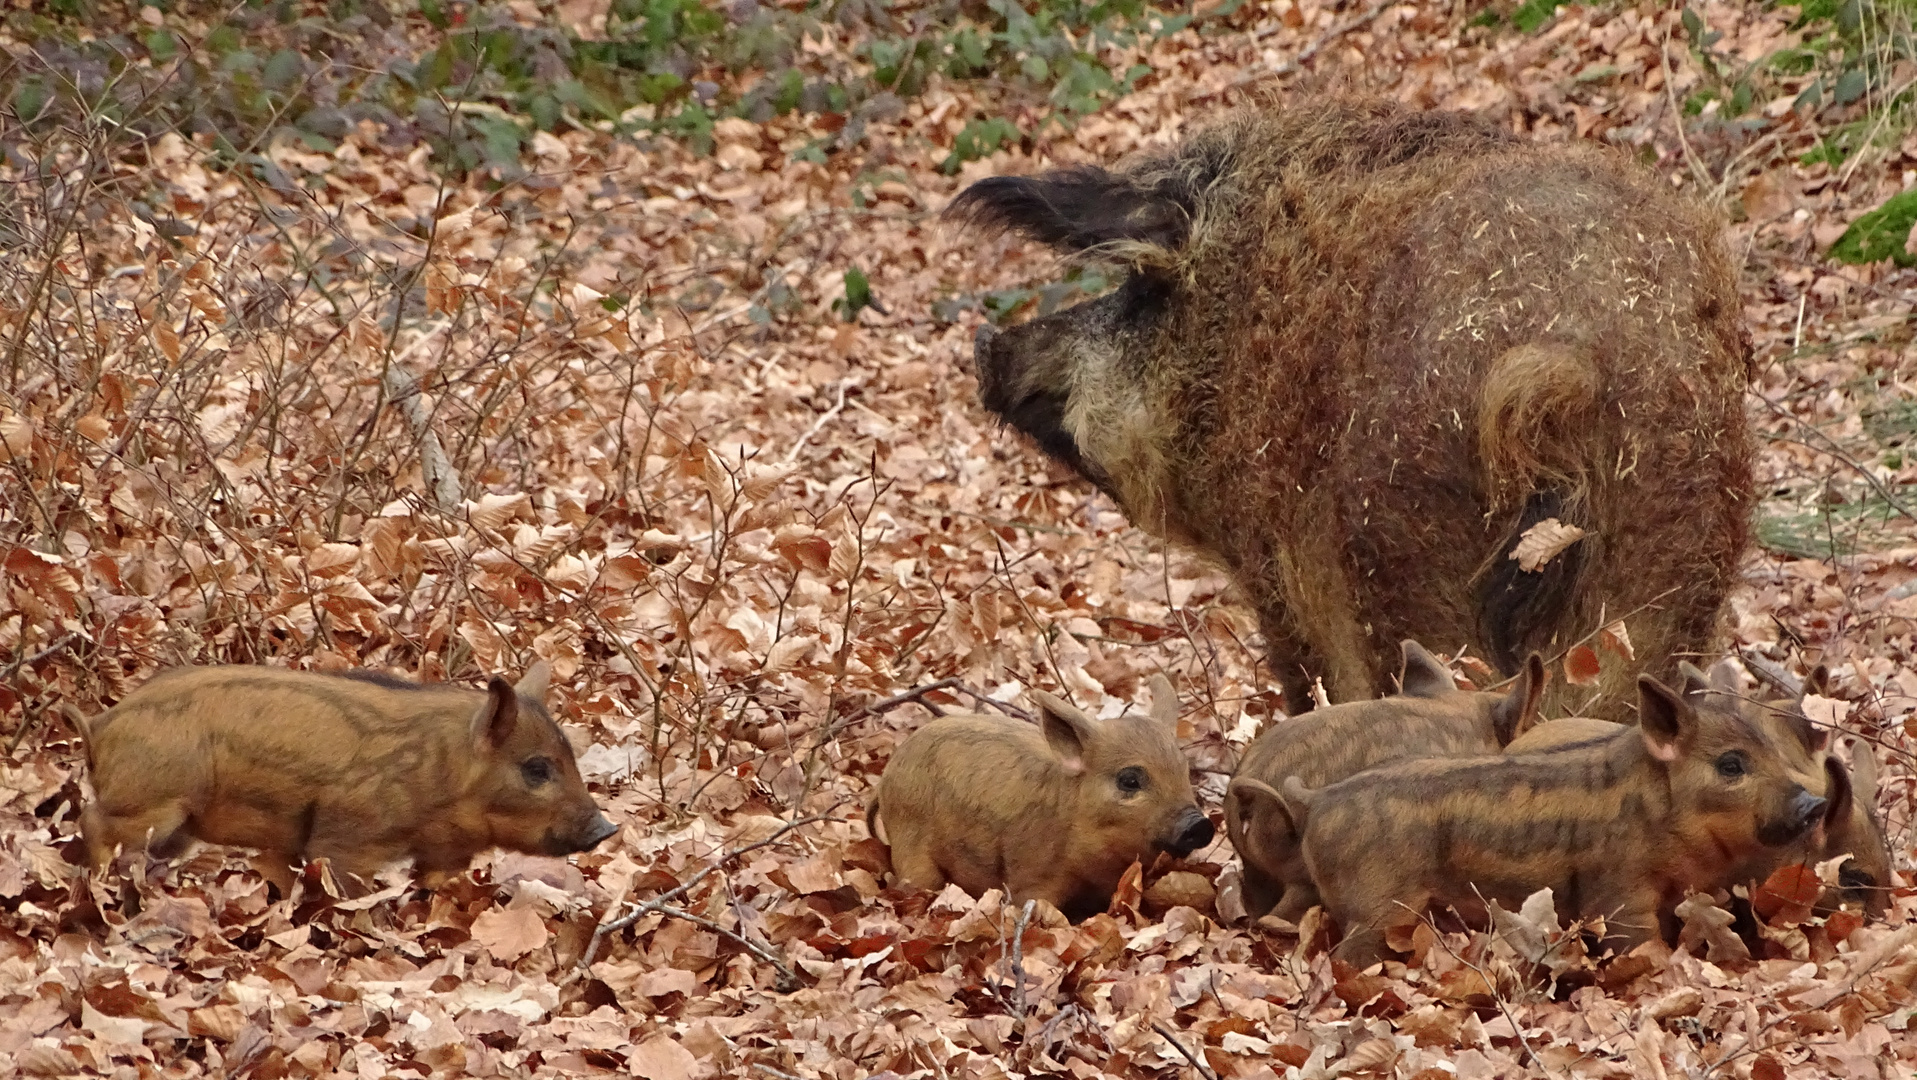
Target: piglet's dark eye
<point>536,771</point>
<point>1131,779</point>
<point>1731,764</point>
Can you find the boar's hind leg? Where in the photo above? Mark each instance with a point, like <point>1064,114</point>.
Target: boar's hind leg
<point>158,830</point>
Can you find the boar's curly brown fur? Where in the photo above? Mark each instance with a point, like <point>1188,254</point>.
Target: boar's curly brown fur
<point>1360,349</point>
<point>363,769</point>
<point>1428,717</point>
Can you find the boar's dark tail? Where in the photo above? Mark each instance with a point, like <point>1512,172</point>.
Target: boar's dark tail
<point>1085,207</point>
<point>1538,446</point>
<point>1518,608</point>
<point>872,817</point>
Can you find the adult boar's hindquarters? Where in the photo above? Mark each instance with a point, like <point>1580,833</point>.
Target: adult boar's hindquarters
<point>1358,351</point>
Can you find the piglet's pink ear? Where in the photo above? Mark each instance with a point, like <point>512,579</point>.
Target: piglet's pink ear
<point>494,722</point>
<point>1068,731</point>
<point>1665,718</point>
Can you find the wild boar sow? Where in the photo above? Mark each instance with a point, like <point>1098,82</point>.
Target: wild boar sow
<point>1428,717</point>
<point>1360,350</point>
<point>1621,828</point>
<point>1054,812</point>
<point>363,769</point>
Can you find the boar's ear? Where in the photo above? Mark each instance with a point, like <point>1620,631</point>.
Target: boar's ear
<point>493,723</point>
<point>1422,675</point>
<point>1518,712</point>
<point>1077,209</point>
<point>1164,702</point>
<point>1818,681</point>
<point>1068,731</point>
<point>1255,796</point>
<point>1863,773</point>
<point>1696,683</point>
<point>1724,677</point>
<point>533,685</point>
<point>1665,718</point>
<point>1837,794</point>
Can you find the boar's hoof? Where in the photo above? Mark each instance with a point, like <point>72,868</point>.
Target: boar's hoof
<point>1194,832</point>
<point>1806,810</point>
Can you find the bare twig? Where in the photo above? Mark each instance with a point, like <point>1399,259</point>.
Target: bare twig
<point>1762,667</point>
<point>1837,451</point>
<point>1646,605</point>
<point>662,904</point>
<point>1166,1034</point>
<point>788,979</point>
<point>403,390</point>
<point>1018,961</point>
<point>954,683</point>
<point>1698,170</point>
<point>824,419</point>
<point>58,644</point>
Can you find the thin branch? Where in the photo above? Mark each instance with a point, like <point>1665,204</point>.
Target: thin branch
<point>1837,452</point>
<point>788,980</point>
<point>58,644</point>
<point>1646,605</point>
<point>954,683</point>
<point>403,391</point>
<point>1166,1034</point>
<point>661,903</point>
<point>1762,667</point>
<point>1703,175</point>
<point>824,419</point>
<point>1018,961</point>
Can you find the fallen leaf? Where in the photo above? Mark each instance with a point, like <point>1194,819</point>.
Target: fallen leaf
<point>661,1058</point>
<point>510,933</point>
<point>1581,666</point>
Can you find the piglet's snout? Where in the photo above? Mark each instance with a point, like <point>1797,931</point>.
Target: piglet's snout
<point>1805,811</point>
<point>1192,831</point>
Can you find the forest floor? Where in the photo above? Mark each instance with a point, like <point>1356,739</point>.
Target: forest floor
<point>735,521</point>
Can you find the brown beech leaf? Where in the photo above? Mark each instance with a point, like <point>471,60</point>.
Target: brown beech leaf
<point>510,933</point>
<point>1786,897</point>
<point>1581,666</point>
<point>1617,639</point>
<point>1543,542</point>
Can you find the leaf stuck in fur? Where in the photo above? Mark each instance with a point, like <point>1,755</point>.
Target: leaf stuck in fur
<point>1543,542</point>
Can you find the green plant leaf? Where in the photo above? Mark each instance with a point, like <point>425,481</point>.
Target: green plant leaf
<point>1880,234</point>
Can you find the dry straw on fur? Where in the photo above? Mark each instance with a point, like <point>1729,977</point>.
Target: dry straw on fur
<point>1361,348</point>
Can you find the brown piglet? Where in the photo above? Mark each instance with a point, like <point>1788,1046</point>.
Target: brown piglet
<point>361,768</point>
<point>1053,812</point>
<point>1850,824</point>
<point>1620,829</point>
<point>1428,717</point>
